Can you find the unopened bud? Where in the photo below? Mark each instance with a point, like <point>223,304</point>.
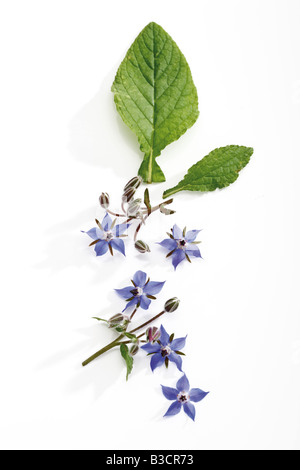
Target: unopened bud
<point>142,247</point>
<point>116,320</point>
<point>166,211</point>
<point>133,350</point>
<point>128,195</point>
<point>104,200</point>
<point>134,207</point>
<point>172,305</point>
<point>152,334</point>
<point>134,183</point>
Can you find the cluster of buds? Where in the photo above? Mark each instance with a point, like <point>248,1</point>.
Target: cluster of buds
<point>134,208</point>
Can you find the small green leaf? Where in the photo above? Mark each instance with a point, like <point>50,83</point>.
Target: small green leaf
<point>127,357</point>
<point>218,169</point>
<point>147,201</point>
<point>155,95</point>
<point>120,329</point>
<point>130,336</point>
<point>99,319</point>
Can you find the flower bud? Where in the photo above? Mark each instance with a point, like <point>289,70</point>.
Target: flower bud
<point>152,334</point>
<point>134,207</point>
<point>142,247</point>
<point>128,195</point>
<point>166,211</point>
<point>172,304</point>
<point>133,350</point>
<point>116,320</point>
<point>134,183</point>
<point>104,200</point>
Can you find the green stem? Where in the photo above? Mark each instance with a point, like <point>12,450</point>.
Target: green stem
<point>111,345</point>
<point>171,191</point>
<point>148,322</point>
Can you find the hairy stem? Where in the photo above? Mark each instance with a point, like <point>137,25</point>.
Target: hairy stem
<point>114,213</point>
<point>148,322</point>
<point>111,345</point>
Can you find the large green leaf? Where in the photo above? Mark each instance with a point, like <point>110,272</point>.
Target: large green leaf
<point>218,169</point>
<point>155,95</point>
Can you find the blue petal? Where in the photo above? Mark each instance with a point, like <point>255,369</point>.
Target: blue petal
<point>156,361</point>
<point>106,223</point>
<point>193,250</point>
<point>153,287</point>
<point>132,303</point>
<point>197,395</point>
<point>192,235</point>
<point>178,344</point>
<point>95,233</point>
<point>151,348</point>
<point>174,409</point>
<point>164,337</point>
<point>177,233</point>
<point>173,357</point>
<point>145,302</point>
<point>125,293</point>
<point>120,229</point>
<point>177,257</point>
<point>189,409</point>
<point>101,248</point>
<point>169,244</point>
<point>169,393</point>
<point>118,245</point>
<point>140,278</point>
<point>183,384</point>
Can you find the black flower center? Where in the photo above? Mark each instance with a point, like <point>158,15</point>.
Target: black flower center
<point>165,351</point>
<point>181,243</point>
<point>137,291</point>
<point>109,236</point>
<point>182,397</point>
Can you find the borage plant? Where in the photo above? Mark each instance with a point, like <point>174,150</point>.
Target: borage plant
<point>157,99</point>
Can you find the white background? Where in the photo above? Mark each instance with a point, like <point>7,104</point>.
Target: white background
<point>62,144</point>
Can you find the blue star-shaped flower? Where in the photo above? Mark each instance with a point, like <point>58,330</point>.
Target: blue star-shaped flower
<point>165,349</point>
<point>183,397</point>
<point>142,291</point>
<point>106,236</point>
<point>182,245</point>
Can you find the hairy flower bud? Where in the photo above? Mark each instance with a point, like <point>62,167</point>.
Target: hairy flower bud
<point>104,200</point>
<point>134,183</point>
<point>116,320</point>
<point>134,207</point>
<point>133,350</point>
<point>128,194</point>
<point>152,334</point>
<point>172,304</point>
<point>142,247</point>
